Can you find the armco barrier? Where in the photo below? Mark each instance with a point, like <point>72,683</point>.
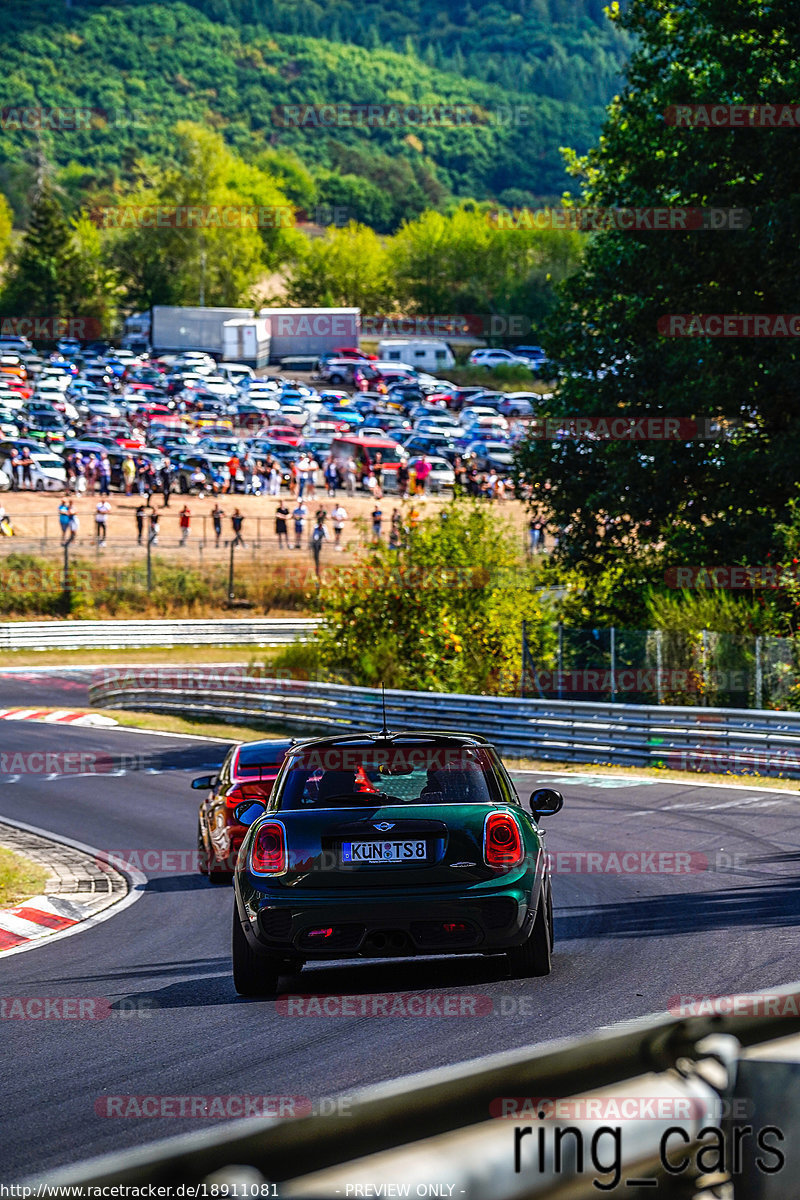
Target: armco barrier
<point>727,741</point>
<point>114,635</point>
<point>438,1126</point>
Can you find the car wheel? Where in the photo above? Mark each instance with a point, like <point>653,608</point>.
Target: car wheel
<point>253,974</point>
<point>515,413</point>
<point>39,485</point>
<point>533,957</point>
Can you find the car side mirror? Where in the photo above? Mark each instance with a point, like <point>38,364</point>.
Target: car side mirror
<point>546,802</point>
<point>204,783</point>
<point>249,812</point>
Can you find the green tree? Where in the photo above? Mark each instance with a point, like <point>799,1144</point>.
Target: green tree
<point>6,225</point>
<point>348,267</point>
<point>36,280</point>
<point>444,612</point>
<point>713,499</point>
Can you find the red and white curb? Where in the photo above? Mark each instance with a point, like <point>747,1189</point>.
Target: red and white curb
<point>83,889</point>
<point>61,716</point>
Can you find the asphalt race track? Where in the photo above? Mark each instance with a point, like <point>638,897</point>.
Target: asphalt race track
<point>626,944</point>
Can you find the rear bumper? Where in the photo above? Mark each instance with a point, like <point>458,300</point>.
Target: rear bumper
<point>396,926</point>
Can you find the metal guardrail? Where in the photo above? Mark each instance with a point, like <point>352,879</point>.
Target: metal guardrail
<point>439,1126</point>
<point>112,635</point>
<point>701,739</point>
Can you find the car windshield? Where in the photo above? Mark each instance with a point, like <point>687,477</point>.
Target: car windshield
<point>257,759</point>
<point>388,773</point>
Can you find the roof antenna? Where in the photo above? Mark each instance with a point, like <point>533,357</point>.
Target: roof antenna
<point>384,730</point>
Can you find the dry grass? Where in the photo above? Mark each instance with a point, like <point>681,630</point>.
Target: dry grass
<point>19,878</point>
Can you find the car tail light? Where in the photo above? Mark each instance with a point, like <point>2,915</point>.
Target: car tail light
<point>248,791</point>
<point>320,933</point>
<point>502,844</point>
<point>268,852</point>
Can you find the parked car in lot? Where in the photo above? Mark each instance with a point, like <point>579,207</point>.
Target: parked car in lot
<point>247,773</point>
<point>497,358</point>
<point>391,845</point>
<point>519,404</point>
<point>489,455</point>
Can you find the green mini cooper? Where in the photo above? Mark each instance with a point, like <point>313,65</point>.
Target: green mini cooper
<point>391,844</point>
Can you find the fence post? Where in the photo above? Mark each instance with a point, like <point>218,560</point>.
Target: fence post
<point>560,660</point>
<point>659,665</point>
<point>704,665</point>
<point>613,665</point>
<point>522,662</point>
<point>759,675</point>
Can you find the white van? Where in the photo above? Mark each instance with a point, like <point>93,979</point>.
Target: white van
<point>426,353</point>
<point>236,373</point>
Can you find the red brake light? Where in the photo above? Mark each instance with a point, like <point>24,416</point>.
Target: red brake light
<point>248,791</point>
<point>268,852</point>
<point>320,933</point>
<point>502,843</point>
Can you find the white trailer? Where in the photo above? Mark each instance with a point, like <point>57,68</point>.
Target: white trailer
<point>426,354</point>
<point>175,329</point>
<point>311,331</point>
<point>246,340</point>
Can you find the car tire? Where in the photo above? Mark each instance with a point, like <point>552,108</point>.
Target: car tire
<point>533,957</point>
<point>515,413</point>
<point>253,974</point>
<point>206,858</point>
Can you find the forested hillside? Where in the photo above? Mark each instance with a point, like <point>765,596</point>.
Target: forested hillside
<point>227,64</point>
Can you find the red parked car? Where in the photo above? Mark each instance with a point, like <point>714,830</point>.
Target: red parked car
<point>246,775</point>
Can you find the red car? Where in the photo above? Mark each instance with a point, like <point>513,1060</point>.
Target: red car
<point>285,433</point>
<point>246,775</point>
<point>352,352</point>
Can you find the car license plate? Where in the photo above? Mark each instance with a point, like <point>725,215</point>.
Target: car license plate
<point>384,852</point>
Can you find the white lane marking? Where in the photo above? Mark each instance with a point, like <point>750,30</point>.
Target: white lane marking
<point>598,781</point>
<point>698,806</point>
<point>137,880</point>
<point>690,783</point>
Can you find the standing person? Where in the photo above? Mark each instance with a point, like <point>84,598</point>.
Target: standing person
<point>423,471</point>
<point>350,476</point>
<point>128,473</point>
<point>141,475</point>
<point>185,520</point>
<point>237,520</point>
<point>101,512</point>
<point>63,520</point>
<point>338,517</point>
<point>533,535</point>
<point>73,526</point>
<point>311,483</point>
<point>273,479</point>
<point>16,469</point>
<point>92,473</point>
<point>149,479</point>
<point>165,479</point>
<point>141,513</point>
<point>299,517</point>
<point>233,471</point>
<point>402,479</point>
<point>331,475</point>
<point>105,474</point>
<point>377,521</point>
<point>317,538</point>
<point>303,466</point>
<point>281,531</point>
<point>377,471</point>
<point>396,530</point>
<point>216,516</point>
<point>154,528</point>
<point>27,467</point>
